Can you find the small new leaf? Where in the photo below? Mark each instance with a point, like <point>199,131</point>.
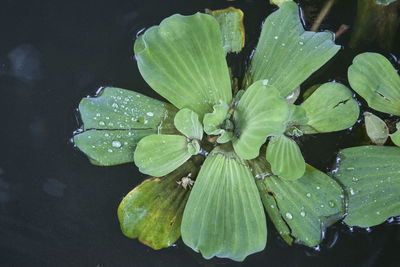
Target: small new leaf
<point>187,122</point>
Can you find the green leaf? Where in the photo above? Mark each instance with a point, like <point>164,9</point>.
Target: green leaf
<point>158,155</point>
<point>279,2</point>
<point>121,109</point>
<point>292,97</point>
<point>213,121</point>
<point>224,216</point>
<point>187,122</point>
<point>262,169</point>
<point>396,135</point>
<point>330,108</point>
<point>109,147</point>
<point>232,29</point>
<point>307,205</point>
<point>183,60</point>
<point>116,120</point>
<point>373,77</point>
<point>371,179</point>
<point>377,129</point>
<point>260,113</point>
<point>297,117</point>
<point>286,54</point>
<point>285,158</point>
<point>152,212</point>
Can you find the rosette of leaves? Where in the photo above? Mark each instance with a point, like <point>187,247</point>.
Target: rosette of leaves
<point>218,208</point>
<point>371,174</point>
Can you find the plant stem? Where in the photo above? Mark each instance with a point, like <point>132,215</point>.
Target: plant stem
<point>322,14</point>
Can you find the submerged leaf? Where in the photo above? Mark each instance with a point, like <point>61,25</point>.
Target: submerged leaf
<point>224,215</point>
<point>285,158</point>
<point>260,113</point>
<point>232,29</point>
<point>116,120</point>
<point>308,205</point>
<point>152,212</point>
<point>286,54</point>
<point>158,155</point>
<point>330,108</point>
<point>377,129</point>
<point>182,59</point>
<point>187,122</point>
<point>371,179</point>
<point>373,77</point>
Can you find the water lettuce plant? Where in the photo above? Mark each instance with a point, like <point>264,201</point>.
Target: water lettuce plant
<point>218,153</point>
<point>370,174</point>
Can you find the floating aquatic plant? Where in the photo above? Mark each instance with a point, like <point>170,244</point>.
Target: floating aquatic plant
<point>370,174</point>
<point>216,153</point>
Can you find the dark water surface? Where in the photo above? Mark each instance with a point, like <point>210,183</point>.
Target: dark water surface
<point>56,209</point>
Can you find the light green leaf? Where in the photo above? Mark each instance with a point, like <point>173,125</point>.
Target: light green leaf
<point>292,97</point>
<point>371,178</point>
<point>377,129</point>
<point>158,155</point>
<point>330,108</point>
<point>232,29</point>
<point>261,169</point>
<point>373,77</point>
<point>279,2</point>
<point>116,120</point>
<point>116,108</point>
<point>396,135</point>
<point>308,205</point>
<point>224,216</point>
<point>152,212</point>
<point>285,158</point>
<point>297,117</point>
<point>213,121</point>
<point>183,60</point>
<point>260,113</point>
<point>286,54</point>
<point>187,122</point>
<point>110,147</point>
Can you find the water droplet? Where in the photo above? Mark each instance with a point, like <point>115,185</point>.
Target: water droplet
<point>116,144</point>
<point>283,44</point>
<point>150,114</point>
<point>331,204</point>
<point>302,214</point>
<point>308,195</point>
<point>355,179</point>
<point>98,114</point>
<point>318,188</point>
<point>289,216</point>
<point>146,121</point>
<point>272,206</point>
<point>101,123</point>
<point>109,150</point>
<point>276,37</point>
<point>106,135</point>
<point>378,213</point>
<point>114,105</point>
<point>351,191</point>
<point>301,43</point>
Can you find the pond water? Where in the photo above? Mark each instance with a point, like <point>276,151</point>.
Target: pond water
<point>56,209</point>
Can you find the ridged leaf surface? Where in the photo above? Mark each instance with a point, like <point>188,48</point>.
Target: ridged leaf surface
<point>286,54</point>
<point>374,78</point>
<point>183,60</point>
<point>371,179</point>
<point>224,216</point>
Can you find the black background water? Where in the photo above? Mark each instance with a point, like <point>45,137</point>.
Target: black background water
<point>56,209</point>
